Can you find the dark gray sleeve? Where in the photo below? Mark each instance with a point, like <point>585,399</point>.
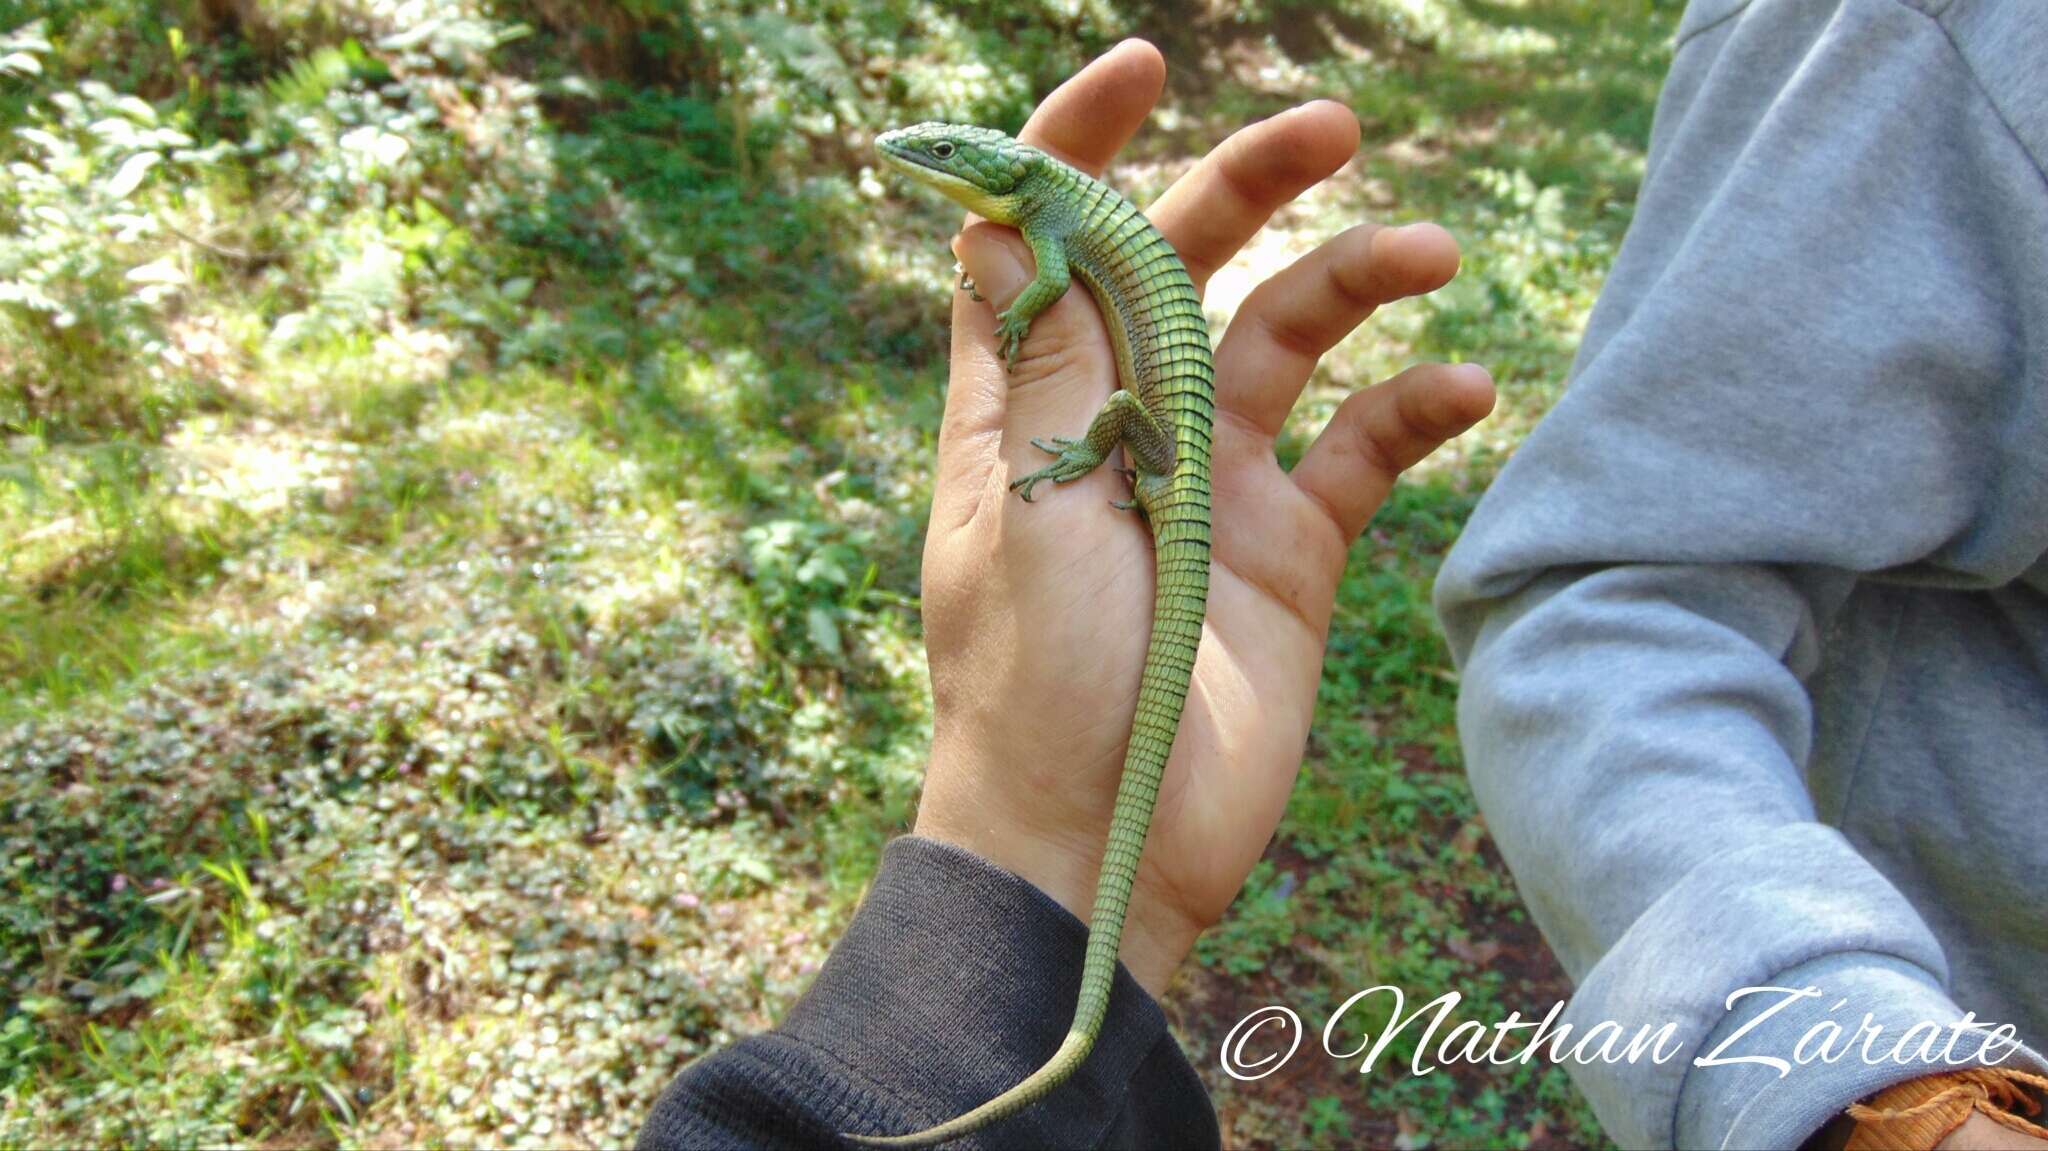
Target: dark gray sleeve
<point>954,981</point>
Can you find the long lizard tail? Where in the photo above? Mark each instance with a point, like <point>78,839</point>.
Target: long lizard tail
<point>1178,605</point>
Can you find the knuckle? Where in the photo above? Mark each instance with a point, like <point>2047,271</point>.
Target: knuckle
<point>1354,274</point>
<point>1365,435</point>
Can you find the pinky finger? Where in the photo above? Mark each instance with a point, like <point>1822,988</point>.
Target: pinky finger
<point>1379,432</point>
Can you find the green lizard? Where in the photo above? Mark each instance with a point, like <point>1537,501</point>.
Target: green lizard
<point>1161,416</point>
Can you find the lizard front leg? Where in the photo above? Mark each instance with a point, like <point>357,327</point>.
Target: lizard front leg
<point>1124,420</point>
<point>1049,250</point>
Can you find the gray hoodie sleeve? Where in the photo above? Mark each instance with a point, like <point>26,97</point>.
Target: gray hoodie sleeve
<point>1818,361</point>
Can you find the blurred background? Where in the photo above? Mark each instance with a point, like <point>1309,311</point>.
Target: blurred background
<point>464,471</point>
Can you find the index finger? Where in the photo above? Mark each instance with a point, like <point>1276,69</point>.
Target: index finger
<point>1090,117</point>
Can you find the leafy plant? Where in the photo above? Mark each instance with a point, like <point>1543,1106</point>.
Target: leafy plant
<point>91,254</point>
<point>309,80</point>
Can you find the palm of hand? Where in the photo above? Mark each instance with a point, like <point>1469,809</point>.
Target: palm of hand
<point>1037,615</point>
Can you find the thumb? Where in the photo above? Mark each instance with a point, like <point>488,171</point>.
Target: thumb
<point>976,392</point>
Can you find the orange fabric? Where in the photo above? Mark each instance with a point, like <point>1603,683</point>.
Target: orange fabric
<point>1919,1113</point>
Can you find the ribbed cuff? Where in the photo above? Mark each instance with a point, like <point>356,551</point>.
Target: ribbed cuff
<point>955,980</point>
<point>1861,994</point>
<point>1923,1111</point>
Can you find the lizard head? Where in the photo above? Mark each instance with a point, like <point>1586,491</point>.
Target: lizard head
<point>980,168</point>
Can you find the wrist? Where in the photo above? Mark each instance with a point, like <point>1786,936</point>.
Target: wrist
<point>1156,936</point>
<point>1967,1107</point>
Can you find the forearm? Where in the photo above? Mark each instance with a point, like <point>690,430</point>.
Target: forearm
<point>1639,747</point>
<point>937,998</point>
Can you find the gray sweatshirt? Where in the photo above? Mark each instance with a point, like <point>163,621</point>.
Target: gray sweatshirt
<point>1753,630</point>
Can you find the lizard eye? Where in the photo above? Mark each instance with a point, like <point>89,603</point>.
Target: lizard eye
<point>943,149</point>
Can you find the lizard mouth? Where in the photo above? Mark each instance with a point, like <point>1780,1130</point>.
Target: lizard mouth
<point>904,157</point>
<point>921,168</point>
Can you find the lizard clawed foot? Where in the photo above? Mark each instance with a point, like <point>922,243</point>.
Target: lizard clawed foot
<point>1130,476</point>
<point>1010,332</point>
<point>1075,460</point>
<point>1054,446</point>
<point>967,285</point>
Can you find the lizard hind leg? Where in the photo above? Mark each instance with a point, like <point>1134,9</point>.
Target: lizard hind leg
<point>1122,420</point>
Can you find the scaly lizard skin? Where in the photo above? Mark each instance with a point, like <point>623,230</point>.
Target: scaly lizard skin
<point>1161,416</point>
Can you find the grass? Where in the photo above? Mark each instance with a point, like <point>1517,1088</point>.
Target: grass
<point>459,649</point>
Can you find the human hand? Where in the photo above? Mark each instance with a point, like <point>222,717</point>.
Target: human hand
<point>1980,1132</point>
<point>1036,616</point>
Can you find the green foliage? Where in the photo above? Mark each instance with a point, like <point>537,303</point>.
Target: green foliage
<point>88,263</point>
<point>1327,1123</point>
<point>806,578</point>
<point>310,80</point>
<point>463,480</point>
